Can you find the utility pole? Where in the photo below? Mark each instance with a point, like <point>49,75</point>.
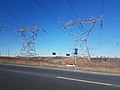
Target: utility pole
<point>8,50</point>
<point>1,27</point>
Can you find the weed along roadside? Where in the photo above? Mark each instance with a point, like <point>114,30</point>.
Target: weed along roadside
<point>110,65</point>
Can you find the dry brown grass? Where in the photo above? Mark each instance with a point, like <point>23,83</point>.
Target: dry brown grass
<point>111,65</point>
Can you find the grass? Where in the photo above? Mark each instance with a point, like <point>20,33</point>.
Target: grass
<point>110,65</point>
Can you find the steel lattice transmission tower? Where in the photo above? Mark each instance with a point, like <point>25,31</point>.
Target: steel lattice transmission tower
<point>80,31</point>
<point>29,35</point>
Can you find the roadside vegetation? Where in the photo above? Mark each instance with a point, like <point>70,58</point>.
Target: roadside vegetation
<point>110,65</point>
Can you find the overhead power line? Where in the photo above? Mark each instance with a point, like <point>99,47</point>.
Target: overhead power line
<point>46,41</point>
<point>4,11</point>
<point>6,22</point>
<point>46,10</point>
<point>102,7</point>
<point>74,12</point>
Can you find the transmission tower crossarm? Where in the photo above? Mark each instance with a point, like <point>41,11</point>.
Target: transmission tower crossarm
<point>29,29</point>
<point>71,23</point>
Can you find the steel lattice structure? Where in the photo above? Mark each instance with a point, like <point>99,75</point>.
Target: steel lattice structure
<point>29,35</point>
<point>80,41</point>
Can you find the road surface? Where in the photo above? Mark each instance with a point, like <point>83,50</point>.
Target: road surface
<point>13,77</point>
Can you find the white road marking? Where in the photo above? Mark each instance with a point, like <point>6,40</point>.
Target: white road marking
<point>86,81</point>
<point>65,78</point>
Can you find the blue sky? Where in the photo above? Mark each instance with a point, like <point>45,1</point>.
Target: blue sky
<point>25,13</point>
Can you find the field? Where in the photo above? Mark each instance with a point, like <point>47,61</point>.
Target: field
<point>110,65</point>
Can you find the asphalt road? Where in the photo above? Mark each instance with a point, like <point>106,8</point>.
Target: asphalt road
<point>14,77</point>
